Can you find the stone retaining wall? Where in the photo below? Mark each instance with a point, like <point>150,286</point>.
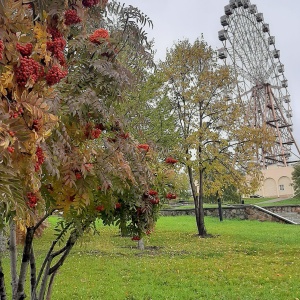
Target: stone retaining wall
<point>279,209</point>
<point>242,212</point>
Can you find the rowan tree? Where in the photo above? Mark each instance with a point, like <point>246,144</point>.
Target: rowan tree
<point>216,145</point>
<point>63,147</point>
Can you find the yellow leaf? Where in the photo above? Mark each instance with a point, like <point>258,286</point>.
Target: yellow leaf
<point>28,107</point>
<point>53,118</point>
<point>4,143</point>
<point>45,15</point>
<point>40,32</point>
<point>47,133</point>
<point>44,106</point>
<point>6,80</point>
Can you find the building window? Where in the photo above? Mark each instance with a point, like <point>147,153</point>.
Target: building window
<point>281,187</point>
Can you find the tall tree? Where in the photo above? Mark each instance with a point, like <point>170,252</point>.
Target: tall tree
<point>63,147</point>
<point>296,179</point>
<point>215,144</point>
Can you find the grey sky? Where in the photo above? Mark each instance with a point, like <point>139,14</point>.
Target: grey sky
<point>175,20</point>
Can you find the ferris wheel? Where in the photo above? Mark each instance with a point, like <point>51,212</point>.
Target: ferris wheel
<point>249,50</point>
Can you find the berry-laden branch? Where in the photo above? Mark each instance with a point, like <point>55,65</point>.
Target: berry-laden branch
<point>64,159</point>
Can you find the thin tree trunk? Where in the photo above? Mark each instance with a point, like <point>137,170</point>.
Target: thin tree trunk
<point>32,274</point>
<point>2,284</point>
<point>25,261</point>
<point>200,209</point>
<point>200,221</point>
<point>45,262</point>
<point>13,258</point>
<point>198,201</point>
<point>3,241</point>
<point>45,279</point>
<point>141,245</point>
<point>51,270</point>
<point>50,287</point>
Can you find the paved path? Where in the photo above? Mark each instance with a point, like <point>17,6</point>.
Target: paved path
<point>293,216</point>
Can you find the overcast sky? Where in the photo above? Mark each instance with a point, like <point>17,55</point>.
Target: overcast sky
<point>175,20</point>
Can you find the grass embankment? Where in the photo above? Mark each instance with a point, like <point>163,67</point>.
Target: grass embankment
<point>244,260</point>
<point>254,201</point>
<point>292,201</point>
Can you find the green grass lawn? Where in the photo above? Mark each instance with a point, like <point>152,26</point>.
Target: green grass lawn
<point>253,201</point>
<point>292,201</point>
<point>244,260</point>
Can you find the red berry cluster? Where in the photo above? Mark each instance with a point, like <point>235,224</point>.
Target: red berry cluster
<point>153,196</point>
<point>55,74</point>
<point>40,158</point>
<point>1,49</point>
<point>32,199</point>
<point>54,32</point>
<point>36,125</point>
<point>155,200</point>
<point>171,196</point>
<point>100,208</point>
<point>124,135</point>
<point>78,174</point>
<point>11,133</point>
<point>99,35</point>
<point>10,149</point>
<point>89,3</point>
<point>118,205</point>
<point>92,132</point>
<point>16,114</point>
<point>135,238</point>
<point>71,17</point>
<point>171,160</point>
<point>28,69</point>
<point>56,46</point>
<point>152,193</point>
<point>25,50</point>
<point>144,147</point>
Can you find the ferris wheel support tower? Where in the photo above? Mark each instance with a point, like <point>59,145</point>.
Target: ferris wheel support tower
<point>250,51</point>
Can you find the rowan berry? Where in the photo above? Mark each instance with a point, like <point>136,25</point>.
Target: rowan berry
<point>55,74</point>
<point>71,17</point>
<point>25,50</point>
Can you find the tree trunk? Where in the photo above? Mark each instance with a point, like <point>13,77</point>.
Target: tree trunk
<point>32,274</point>
<point>2,284</point>
<point>13,258</point>
<point>141,245</point>
<point>198,201</point>
<point>200,210</point>
<point>3,241</point>
<point>25,261</point>
<point>52,271</point>
<point>50,286</point>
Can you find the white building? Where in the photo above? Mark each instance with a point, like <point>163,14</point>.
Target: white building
<point>277,182</point>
